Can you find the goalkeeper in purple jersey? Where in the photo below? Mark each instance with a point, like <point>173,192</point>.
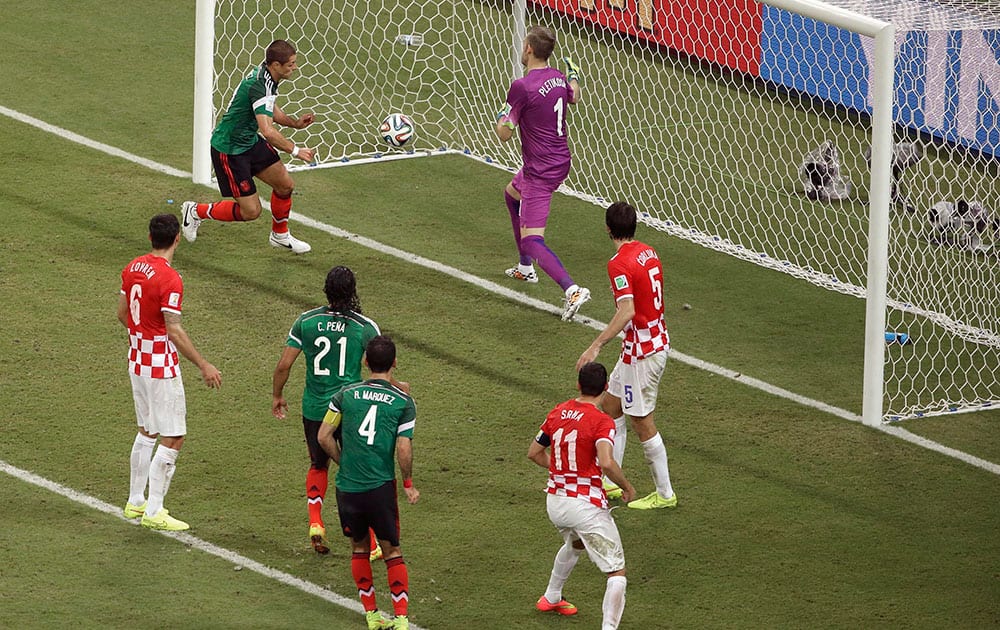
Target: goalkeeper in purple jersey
<point>537,105</point>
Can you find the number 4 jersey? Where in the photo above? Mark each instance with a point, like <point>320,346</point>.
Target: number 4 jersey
<point>572,431</point>
<point>372,415</point>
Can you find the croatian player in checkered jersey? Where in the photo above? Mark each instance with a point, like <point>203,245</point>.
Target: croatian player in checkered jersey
<point>150,309</point>
<point>637,284</point>
<point>581,437</point>
<point>537,105</point>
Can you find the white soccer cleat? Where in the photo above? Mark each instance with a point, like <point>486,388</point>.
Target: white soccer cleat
<point>190,220</point>
<point>575,298</point>
<point>514,272</point>
<point>289,242</point>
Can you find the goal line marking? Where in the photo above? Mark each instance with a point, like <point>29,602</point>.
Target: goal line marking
<point>488,285</point>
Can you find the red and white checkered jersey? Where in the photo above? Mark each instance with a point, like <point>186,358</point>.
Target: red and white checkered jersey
<point>572,431</point>
<point>151,286</point>
<point>635,272</point>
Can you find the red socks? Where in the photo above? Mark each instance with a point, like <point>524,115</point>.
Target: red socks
<point>399,584</point>
<point>281,207</point>
<point>227,210</point>
<point>361,569</point>
<point>316,482</point>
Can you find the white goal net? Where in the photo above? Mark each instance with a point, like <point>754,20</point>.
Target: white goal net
<point>742,126</point>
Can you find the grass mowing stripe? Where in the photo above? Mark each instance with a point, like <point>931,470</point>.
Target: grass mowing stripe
<point>524,299</point>
<point>191,541</point>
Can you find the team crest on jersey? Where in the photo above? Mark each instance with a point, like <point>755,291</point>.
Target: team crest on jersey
<point>245,186</point>
<point>621,282</point>
<point>174,299</point>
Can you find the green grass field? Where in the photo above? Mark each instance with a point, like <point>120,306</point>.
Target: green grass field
<point>789,517</point>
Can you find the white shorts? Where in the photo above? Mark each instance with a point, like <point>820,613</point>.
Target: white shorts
<point>579,519</point>
<point>637,384</point>
<point>160,407</point>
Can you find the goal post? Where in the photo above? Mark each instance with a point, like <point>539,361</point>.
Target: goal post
<point>782,132</point>
<point>204,76</point>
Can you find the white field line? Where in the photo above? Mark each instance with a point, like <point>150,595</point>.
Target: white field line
<point>93,144</point>
<point>529,301</point>
<point>191,541</point>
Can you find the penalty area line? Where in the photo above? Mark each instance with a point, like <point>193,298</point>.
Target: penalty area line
<point>191,541</point>
<point>488,285</point>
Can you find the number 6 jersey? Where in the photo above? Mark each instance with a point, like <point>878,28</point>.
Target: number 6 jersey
<point>151,287</point>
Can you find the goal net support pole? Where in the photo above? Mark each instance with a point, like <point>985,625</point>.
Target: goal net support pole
<point>204,80</point>
<point>878,225</point>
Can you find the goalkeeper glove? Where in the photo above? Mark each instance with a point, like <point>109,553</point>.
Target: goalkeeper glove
<point>503,117</point>
<point>572,70</point>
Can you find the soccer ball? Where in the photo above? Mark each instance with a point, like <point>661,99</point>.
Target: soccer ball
<point>396,129</point>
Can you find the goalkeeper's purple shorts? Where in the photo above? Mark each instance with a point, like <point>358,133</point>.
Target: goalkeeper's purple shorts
<point>536,198</point>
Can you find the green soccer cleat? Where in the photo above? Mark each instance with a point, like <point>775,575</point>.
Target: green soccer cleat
<point>653,501</point>
<point>317,536</point>
<point>134,511</point>
<point>562,606</point>
<point>376,621</point>
<point>376,553</point>
<point>164,522</point>
<point>612,490</point>
<point>400,622</point>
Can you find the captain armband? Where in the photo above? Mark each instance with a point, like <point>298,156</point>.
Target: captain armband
<point>332,418</point>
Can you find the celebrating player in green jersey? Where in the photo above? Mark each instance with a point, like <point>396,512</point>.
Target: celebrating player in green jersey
<point>367,424</point>
<point>333,339</point>
<point>245,145</point>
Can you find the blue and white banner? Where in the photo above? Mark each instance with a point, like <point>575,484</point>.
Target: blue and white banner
<point>947,81</point>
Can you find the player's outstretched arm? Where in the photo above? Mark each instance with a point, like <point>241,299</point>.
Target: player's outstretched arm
<point>265,125</point>
<point>505,126</point>
<point>404,455</point>
<point>573,76</point>
<point>279,406</point>
<point>623,315</point>
<point>611,469</point>
<point>176,333</point>
<point>537,454</point>
<point>326,437</point>
<point>284,119</point>
<point>123,310</point>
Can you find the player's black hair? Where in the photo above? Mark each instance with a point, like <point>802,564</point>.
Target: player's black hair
<point>593,378</point>
<point>279,50</point>
<point>341,290</point>
<point>620,219</point>
<point>163,229</point>
<point>380,353</point>
<point>542,42</point>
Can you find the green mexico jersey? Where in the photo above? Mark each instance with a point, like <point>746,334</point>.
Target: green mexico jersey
<point>373,415</point>
<point>237,131</point>
<point>333,343</point>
